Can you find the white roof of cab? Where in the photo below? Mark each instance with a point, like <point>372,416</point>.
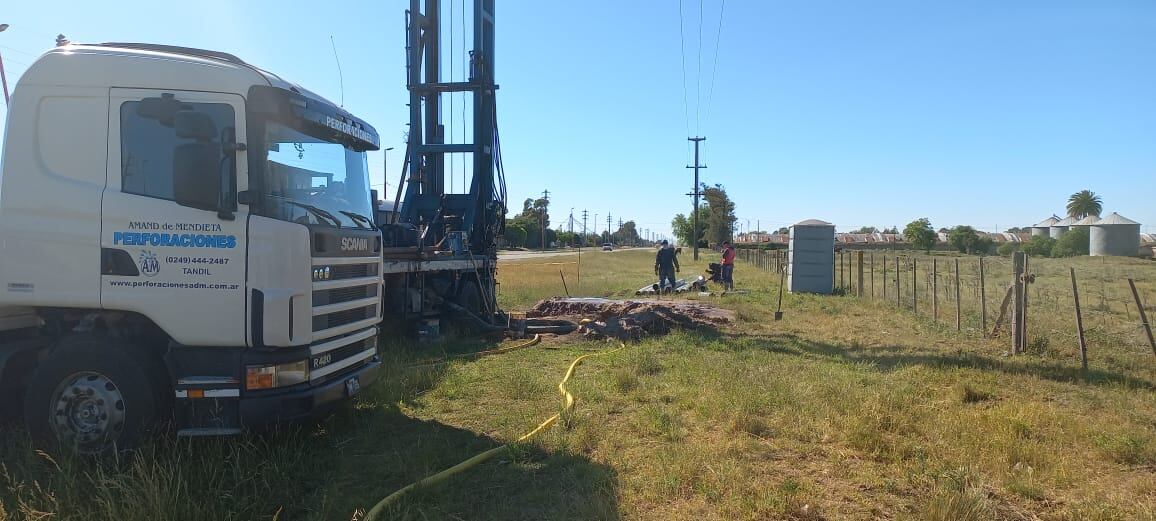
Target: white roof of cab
<point>147,66</point>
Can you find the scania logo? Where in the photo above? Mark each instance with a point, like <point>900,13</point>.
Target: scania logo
<point>354,244</point>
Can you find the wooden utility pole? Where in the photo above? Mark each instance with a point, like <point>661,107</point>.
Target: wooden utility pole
<point>1143,316</point>
<point>958,311</point>
<point>542,218</point>
<point>1079,322</point>
<point>695,193</point>
<point>1019,258</point>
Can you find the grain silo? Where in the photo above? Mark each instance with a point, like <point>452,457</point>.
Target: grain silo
<point>1087,221</point>
<point>1042,228</point>
<point>1059,227</point>
<point>1115,235</point>
<point>811,258</point>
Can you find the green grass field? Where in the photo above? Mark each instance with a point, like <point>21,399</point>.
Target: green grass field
<point>847,409</point>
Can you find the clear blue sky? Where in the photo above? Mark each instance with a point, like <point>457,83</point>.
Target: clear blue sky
<point>984,112</point>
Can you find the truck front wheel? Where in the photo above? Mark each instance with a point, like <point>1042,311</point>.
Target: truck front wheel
<point>90,397</point>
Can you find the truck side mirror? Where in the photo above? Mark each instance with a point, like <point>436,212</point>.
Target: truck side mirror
<point>197,165</point>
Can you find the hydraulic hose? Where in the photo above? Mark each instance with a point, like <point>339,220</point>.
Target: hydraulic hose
<point>532,342</point>
<point>481,322</point>
<point>568,403</point>
<point>555,326</point>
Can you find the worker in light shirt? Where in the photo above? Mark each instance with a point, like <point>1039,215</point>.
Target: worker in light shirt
<point>728,266</point>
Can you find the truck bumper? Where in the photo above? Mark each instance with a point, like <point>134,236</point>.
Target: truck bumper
<point>265,410</point>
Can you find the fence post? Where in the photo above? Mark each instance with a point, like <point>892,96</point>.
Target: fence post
<point>935,290</point>
<point>982,299</point>
<point>914,287</point>
<point>884,278</point>
<point>898,297</point>
<point>1079,322</point>
<point>859,260</point>
<point>1018,259</point>
<point>873,275</point>
<point>958,311</point>
<point>1143,316</point>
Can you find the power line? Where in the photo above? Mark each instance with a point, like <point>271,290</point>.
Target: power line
<point>698,80</point>
<point>682,51</point>
<point>18,51</point>
<point>714,73</point>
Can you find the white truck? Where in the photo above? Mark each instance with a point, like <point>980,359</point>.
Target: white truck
<point>182,235</point>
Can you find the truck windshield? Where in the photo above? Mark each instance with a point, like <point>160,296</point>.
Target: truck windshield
<point>314,181</point>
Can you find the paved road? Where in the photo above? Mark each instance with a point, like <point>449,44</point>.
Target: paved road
<point>522,255</point>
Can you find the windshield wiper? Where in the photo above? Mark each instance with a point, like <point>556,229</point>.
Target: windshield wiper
<point>359,218</point>
<point>316,211</point>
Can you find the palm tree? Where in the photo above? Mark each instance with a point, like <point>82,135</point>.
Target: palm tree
<point>1084,203</point>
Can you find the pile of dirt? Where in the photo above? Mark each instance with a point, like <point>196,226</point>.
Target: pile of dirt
<point>631,319</point>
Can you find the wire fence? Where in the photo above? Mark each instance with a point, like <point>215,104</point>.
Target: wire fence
<point>972,295</point>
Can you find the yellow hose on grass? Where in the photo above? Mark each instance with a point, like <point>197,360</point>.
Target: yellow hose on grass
<point>568,403</point>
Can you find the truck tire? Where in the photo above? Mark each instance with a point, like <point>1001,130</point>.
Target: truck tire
<point>90,396</point>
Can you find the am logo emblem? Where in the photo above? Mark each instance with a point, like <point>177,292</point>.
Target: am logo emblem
<point>149,265</point>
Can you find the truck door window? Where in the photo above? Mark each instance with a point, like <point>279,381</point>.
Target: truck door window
<point>148,142</point>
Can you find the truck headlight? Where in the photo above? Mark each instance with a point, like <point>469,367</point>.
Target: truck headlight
<point>272,376</point>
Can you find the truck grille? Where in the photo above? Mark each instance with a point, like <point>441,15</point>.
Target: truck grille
<point>348,299</point>
<point>342,354</point>
<point>352,271</point>
<point>337,296</point>
<point>342,318</point>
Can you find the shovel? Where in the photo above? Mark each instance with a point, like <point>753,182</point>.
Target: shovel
<point>782,282</point>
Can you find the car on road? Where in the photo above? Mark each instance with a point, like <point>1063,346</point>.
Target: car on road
<point>607,247</point>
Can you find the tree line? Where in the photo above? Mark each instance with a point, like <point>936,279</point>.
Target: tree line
<point>716,219</point>
<point>525,230</point>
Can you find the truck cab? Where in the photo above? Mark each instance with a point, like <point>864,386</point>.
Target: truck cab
<point>182,235</point>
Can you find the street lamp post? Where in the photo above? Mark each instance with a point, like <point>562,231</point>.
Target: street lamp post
<point>3,77</point>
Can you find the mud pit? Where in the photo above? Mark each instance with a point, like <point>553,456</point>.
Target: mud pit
<point>631,319</point>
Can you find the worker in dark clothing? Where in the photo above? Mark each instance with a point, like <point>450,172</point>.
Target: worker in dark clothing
<point>665,266</point>
<point>728,266</point>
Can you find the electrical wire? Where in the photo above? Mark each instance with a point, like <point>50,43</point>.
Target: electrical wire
<point>698,80</point>
<point>340,76</point>
<point>682,52</point>
<point>714,73</point>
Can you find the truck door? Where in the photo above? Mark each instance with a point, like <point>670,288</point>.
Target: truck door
<point>172,236</point>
